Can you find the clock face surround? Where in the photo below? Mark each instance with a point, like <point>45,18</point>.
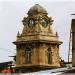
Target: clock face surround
<point>31,23</point>
<point>44,22</point>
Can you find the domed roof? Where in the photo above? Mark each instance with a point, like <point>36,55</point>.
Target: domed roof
<point>36,9</point>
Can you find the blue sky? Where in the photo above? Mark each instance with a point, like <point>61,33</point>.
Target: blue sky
<point>12,13</point>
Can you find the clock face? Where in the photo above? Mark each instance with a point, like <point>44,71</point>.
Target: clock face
<point>44,22</point>
<point>31,23</point>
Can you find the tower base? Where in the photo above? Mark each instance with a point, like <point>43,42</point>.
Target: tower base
<point>29,69</point>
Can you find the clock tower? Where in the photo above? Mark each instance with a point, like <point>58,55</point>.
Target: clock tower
<point>37,47</point>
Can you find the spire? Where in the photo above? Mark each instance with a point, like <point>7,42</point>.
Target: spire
<point>18,34</point>
<point>57,34</point>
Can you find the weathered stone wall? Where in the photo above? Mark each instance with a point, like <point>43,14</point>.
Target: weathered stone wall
<point>73,42</point>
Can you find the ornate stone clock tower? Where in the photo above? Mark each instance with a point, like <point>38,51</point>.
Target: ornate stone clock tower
<point>37,47</point>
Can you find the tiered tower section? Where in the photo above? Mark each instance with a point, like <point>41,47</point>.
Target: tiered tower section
<point>37,47</point>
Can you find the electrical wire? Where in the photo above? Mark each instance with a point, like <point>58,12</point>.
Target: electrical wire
<point>7,50</point>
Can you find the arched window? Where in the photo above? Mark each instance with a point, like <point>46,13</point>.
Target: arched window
<point>27,55</point>
<point>49,55</point>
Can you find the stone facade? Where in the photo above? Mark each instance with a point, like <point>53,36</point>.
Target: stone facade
<point>73,42</point>
<point>37,47</point>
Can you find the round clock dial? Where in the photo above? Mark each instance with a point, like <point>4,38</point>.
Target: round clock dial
<point>44,22</point>
<point>31,23</point>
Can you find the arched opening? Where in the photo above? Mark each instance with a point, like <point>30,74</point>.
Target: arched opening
<point>27,55</point>
<point>49,55</point>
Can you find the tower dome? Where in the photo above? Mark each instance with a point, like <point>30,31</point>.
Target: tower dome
<point>36,9</point>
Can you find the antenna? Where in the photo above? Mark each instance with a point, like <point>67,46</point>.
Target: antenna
<point>70,43</point>
<point>72,14</point>
<point>69,46</point>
